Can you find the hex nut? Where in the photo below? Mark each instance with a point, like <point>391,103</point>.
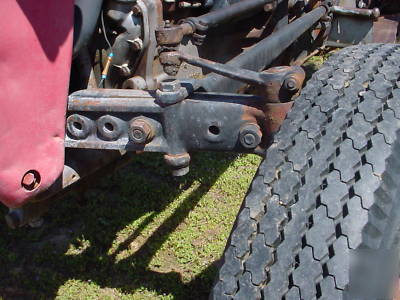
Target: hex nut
<point>171,92</point>
<point>141,131</point>
<point>109,127</point>
<point>79,127</point>
<point>170,85</point>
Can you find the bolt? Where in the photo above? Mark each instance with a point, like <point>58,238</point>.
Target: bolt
<point>141,131</point>
<point>136,10</point>
<point>170,85</point>
<point>250,135</point>
<point>31,180</point>
<point>290,84</point>
<point>376,13</point>
<point>137,44</point>
<point>124,70</point>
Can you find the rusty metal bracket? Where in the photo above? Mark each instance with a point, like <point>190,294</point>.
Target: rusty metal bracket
<point>274,80</point>
<point>276,84</point>
<point>356,12</point>
<point>134,120</point>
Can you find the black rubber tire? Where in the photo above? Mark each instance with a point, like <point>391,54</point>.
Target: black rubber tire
<point>322,216</point>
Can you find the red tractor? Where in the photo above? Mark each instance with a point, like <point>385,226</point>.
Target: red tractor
<point>86,84</point>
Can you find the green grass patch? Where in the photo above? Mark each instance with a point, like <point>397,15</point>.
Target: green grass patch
<point>141,234</point>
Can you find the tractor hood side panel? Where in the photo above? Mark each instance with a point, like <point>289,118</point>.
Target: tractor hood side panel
<point>35,59</point>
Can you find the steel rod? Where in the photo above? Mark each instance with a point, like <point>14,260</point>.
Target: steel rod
<point>261,54</point>
<point>226,14</point>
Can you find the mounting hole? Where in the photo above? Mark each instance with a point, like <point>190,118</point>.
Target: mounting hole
<point>77,125</point>
<point>31,180</point>
<point>214,130</point>
<point>108,126</point>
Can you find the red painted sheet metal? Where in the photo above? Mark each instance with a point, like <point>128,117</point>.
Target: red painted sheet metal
<point>35,58</point>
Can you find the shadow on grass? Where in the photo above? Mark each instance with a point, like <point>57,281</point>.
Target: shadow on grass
<point>34,263</point>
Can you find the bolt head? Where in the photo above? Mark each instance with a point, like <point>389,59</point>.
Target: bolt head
<point>31,180</point>
<point>170,85</point>
<point>291,84</point>
<point>28,179</point>
<point>136,10</point>
<point>376,13</point>
<point>249,139</point>
<point>250,136</point>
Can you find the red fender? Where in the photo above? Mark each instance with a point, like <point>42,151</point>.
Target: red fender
<point>35,61</point>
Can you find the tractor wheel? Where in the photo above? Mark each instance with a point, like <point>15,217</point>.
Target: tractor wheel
<point>322,216</point>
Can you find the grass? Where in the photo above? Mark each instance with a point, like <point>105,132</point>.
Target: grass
<point>138,234</point>
<point>141,234</point>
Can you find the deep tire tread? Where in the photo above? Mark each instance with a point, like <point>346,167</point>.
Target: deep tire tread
<point>291,240</point>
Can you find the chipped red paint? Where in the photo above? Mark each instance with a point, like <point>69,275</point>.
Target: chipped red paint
<point>35,59</point>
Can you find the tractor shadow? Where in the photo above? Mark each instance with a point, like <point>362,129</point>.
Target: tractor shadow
<point>35,263</point>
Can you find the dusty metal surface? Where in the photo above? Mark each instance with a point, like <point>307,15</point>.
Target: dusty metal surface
<point>355,12</point>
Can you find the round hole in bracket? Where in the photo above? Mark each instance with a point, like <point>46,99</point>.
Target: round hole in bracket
<point>108,126</point>
<point>77,125</point>
<point>215,130</point>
